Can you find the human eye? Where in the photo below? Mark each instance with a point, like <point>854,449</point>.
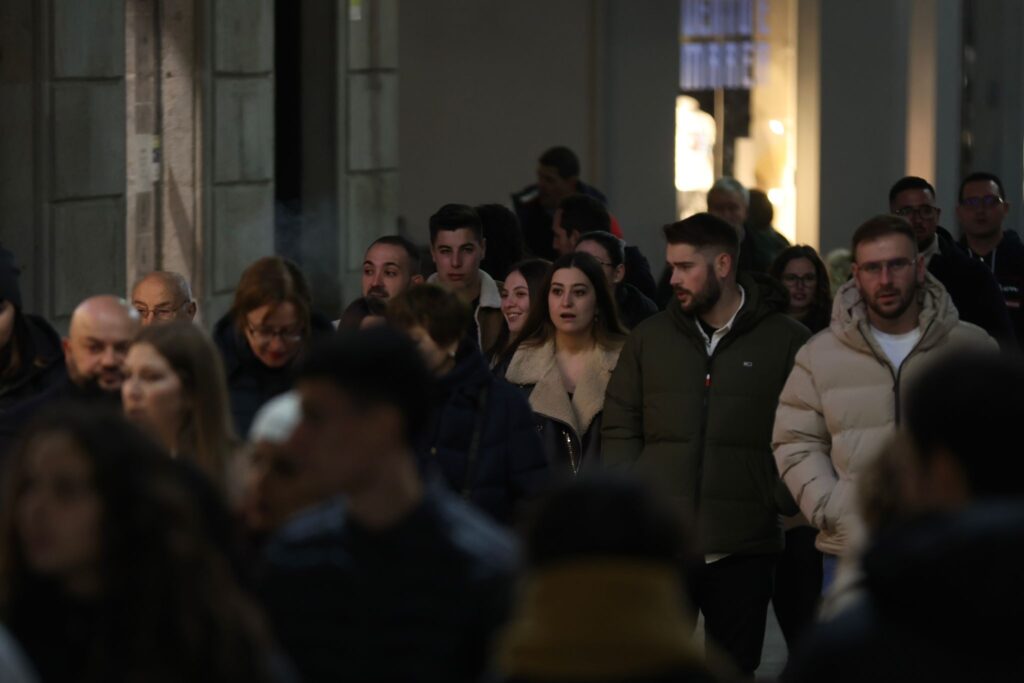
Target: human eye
<point>556,290</point>
<point>367,270</point>
<point>391,272</point>
<point>872,268</point>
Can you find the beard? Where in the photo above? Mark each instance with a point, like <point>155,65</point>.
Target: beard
<point>703,301</point>
<point>905,299</point>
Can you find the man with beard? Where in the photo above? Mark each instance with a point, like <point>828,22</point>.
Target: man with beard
<point>391,266</point>
<point>100,332</point>
<point>690,407</point>
<point>842,401</point>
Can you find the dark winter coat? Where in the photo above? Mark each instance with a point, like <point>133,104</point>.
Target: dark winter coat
<point>633,306</point>
<point>420,601</point>
<point>701,426</point>
<point>535,220</point>
<point>973,289</point>
<point>42,361</point>
<point>942,603</point>
<point>570,427</point>
<point>250,382</point>
<point>638,272</point>
<point>474,412</point>
<point>1006,263</point>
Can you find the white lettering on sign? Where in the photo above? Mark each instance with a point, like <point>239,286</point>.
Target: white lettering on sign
<point>719,46</point>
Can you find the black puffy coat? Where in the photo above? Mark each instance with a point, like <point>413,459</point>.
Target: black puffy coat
<point>250,382</point>
<point>942,602</point>
<point>42,362</point>
<point>973,289</point>
<point>419,601</point>
<point>472,405</point>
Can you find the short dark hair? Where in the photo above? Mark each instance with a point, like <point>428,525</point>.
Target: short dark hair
<point>971,404</point>
<point>601,516</point>
<point>880,226</point>
<point>980,176</point>
<point>440,312</point>
<point>582,213</point>
<point>563,159</point>
<point>363,307</point>
<point>704,230</point>
<point>504,239</point>
<point>611,244</point>
<point>456,217</point>
<point>407,245</point>
<point>910,182</point>
<point>379,365</point>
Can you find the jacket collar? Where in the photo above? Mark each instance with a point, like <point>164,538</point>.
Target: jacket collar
<point>536,366</point>
<point>850,321</point>
<point>490,295</point>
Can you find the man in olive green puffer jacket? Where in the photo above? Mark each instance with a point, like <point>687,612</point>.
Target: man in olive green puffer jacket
<point>691,406</point>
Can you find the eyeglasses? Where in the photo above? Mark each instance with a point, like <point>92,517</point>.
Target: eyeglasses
<point>895,266</point>
<point>159,313</point>
<point>924,212</point>
<point>805,280</point>
<point>987,202</point>
<point>265,335</point>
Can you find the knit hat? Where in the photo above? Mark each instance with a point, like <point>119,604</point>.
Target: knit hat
<point>9,289</point>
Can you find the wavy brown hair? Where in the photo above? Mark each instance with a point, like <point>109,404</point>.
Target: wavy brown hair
<point>272,281</point>
<point>169,607</point>
<point>207,436</point>
<point>607,330</point>
<point>820,313</point>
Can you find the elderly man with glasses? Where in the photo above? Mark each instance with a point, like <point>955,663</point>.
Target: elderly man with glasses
<point>970,284</point>
<point>162,296</point>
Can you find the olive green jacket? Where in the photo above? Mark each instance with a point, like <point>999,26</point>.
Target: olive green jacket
<point>701,427</point>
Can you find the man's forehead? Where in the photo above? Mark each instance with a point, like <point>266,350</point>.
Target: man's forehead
<point>980,188</point>
<point>914,196</point>
<point>152,289</point>
<point>455,238</point>
<point>385,253</point>
<point>681,252</point>
<point>885,247</point>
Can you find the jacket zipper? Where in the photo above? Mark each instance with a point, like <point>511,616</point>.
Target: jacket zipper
<point>573,444</point>
<point>702,436</point>
<point>899,372</point>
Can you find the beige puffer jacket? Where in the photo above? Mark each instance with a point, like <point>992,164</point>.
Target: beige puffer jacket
<point>841,403</point>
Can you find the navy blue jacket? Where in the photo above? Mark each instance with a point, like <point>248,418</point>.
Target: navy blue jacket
<point>250,382</point>
<point>1006,264</point>
<point>510,465</point>
<point>420,601</point>
<point>42,361</point>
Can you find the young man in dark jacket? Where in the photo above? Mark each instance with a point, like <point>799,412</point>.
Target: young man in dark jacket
<point>970,284</point>
<point>405,582</point>
<point>981,210</point>
<point>691,406</point>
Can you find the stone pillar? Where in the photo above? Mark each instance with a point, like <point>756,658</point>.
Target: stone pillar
<point>368,132</point>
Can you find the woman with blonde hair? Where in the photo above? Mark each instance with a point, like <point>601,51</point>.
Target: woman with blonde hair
<point>174,389</point>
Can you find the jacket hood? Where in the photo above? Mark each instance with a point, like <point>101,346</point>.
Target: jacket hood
<point>942,572</point>
<point>763,297</point>
<point>850,320</point>
<point>535,365</point>
<point>563,630</point>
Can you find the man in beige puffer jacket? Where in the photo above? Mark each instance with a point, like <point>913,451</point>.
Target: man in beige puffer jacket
<point>842,398</point>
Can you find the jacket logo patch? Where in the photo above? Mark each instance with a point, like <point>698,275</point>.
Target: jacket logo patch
<point>748,363</point>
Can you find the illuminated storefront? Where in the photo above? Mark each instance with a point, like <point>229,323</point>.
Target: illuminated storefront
<point>736,110</point>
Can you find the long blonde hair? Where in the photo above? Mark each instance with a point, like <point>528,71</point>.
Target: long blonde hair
<point>207,437</point>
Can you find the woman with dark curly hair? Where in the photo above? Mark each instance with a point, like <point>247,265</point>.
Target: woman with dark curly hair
<point>108,571</point>
<point>805,277</point>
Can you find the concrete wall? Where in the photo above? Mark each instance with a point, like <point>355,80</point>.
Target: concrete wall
<point>487,86</point>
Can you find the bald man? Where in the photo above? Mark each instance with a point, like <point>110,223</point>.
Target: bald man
<point>101,329</point>
<point>162,296</point>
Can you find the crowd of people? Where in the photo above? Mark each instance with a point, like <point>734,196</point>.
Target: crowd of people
<point>526,458</point>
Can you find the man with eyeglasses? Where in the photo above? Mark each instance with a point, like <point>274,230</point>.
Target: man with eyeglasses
<point>163,296</point>
<point>970,284</point>
<point>843,399</point>
<point>982,209</point>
